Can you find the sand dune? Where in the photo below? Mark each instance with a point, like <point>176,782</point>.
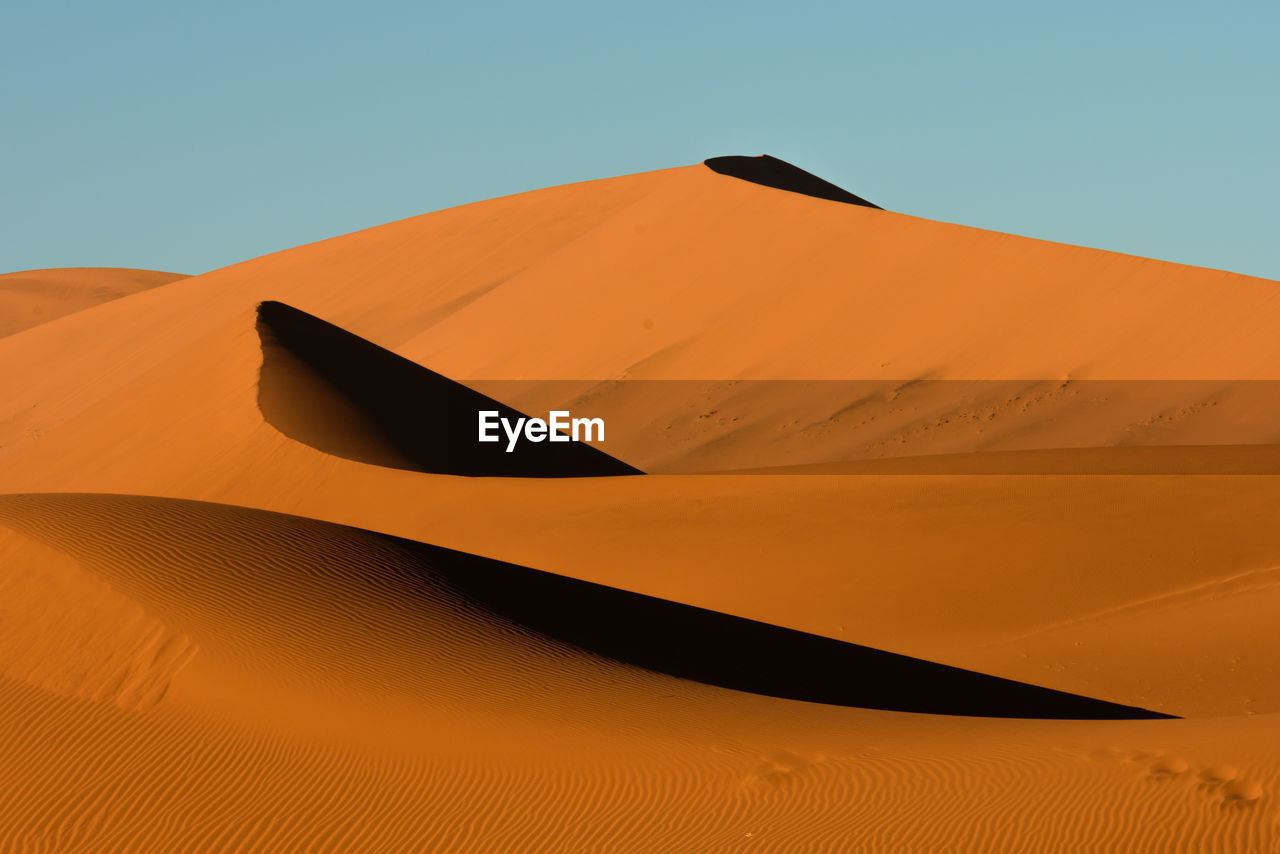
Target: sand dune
<point>870,559</point>
<point>424,594</point>
<point>38,296</point>
<point>316,686</point>
<point>686,274</point>
<point>951,540</point>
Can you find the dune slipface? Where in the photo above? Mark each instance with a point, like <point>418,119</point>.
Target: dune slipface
<point>894,535</point>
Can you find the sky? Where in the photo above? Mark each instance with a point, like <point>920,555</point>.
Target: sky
<point>189,136</point>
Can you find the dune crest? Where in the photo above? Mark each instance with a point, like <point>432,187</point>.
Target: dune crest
<point>769,171</point>
<point>458,594</point>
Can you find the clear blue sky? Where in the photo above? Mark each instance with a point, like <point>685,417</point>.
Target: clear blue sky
<point>187,136</point>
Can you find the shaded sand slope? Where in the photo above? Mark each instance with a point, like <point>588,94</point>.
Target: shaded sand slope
<point>983,572</point>
<point>689,274</point>
<point>33,297</point>
<point>323,386</point>
<point>771,172</point>
<point>364,701</point>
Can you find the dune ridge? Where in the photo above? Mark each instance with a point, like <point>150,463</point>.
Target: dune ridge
<point>542,608</point>
<point>377,407</point>
<point>769,171</point>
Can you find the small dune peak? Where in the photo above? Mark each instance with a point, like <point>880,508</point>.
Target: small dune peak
<point>769,171</point>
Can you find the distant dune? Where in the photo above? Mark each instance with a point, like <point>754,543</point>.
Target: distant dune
<point>39,296</point>
<point>903,536</point>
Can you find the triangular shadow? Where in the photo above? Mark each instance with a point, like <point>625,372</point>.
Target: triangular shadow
<point>344,395</point>
<point>769,171</point>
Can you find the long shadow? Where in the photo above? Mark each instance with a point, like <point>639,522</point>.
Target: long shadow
<point>746,655</point>
<point>204,552</point>
<point>771,172</point>
<point>344,395</point>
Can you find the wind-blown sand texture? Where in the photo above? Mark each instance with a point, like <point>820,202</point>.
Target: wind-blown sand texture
<point>906,536</point>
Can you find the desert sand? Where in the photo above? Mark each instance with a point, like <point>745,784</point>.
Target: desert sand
<point>39,296</point>
<point>905,536</point>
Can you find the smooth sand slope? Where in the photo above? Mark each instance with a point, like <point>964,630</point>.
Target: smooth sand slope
<point>242,608</point>
<point>39,296</point>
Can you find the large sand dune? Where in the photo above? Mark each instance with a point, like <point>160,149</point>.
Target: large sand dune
<point>951,540</point>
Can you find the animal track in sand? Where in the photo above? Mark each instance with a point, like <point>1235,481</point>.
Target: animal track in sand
<point>1219,781</point>
<point>1169,766</point>
<point>1241,793</point>
<point>1218,774</point>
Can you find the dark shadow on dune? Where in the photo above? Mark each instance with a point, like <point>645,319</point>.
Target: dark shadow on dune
<point>771,172</point>
<point>346,396</point>
<point>196,553</point>
<point>745,655</point>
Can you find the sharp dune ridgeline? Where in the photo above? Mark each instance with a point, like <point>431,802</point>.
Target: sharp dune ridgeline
<point>399,413</point>
<point>895,535</point>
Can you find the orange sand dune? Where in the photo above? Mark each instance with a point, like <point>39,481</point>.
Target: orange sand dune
<point>38,296</point>
<point>985,486</point>
<point>871,558</point>
<point>685,274</point>
<point>359,704</point>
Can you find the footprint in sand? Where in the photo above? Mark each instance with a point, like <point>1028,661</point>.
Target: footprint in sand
<point>1168,767</point>
<point>1216,775</point>
<point>1241,793</point>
